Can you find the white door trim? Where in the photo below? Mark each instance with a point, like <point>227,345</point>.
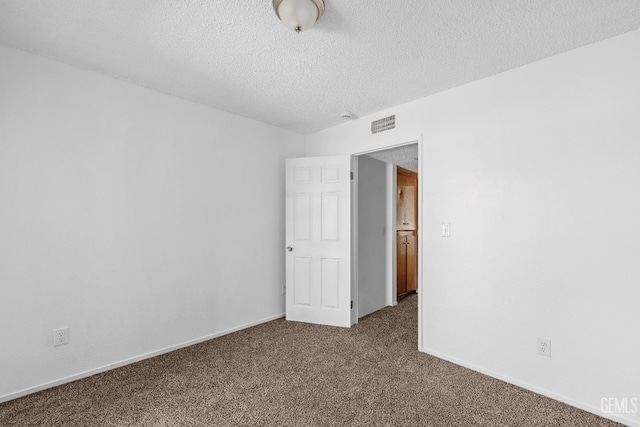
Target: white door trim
<point>391,242</point>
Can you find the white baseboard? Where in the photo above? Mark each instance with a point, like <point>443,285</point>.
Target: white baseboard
<point>564,399</point>
<point>134,359</point>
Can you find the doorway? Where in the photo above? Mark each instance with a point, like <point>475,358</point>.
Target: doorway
<point>326,247</point>
<point>378,239</point>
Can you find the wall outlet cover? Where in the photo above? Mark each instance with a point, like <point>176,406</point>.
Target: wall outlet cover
<point>544,347</point>
<point>60,336</point>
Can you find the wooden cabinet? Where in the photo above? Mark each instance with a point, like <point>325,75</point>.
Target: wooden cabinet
<point>407,266</point>
<point>407,231</point>
<point>407,200</point>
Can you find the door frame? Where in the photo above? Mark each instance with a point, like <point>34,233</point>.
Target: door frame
<point>391,251</point>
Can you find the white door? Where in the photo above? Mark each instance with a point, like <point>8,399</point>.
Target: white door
<point>318,238</point>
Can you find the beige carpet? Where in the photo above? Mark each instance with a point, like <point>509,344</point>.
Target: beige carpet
<point>291,374</point>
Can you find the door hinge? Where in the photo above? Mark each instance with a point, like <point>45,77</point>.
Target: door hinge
<point>351,176</point>
<point>352,305</point>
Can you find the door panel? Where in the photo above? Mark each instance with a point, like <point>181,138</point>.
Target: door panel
<point>318,236</point>
<point>302,281</point>
<point>302,216</point>
<point>330,216</point>
<point>412,267</point>
<point>401,266</point>
<point>330,282</point>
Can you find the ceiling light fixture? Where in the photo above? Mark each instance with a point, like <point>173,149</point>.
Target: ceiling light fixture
<point>298,15</point>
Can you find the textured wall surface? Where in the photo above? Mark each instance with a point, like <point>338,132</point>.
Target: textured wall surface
<point>363,55</point>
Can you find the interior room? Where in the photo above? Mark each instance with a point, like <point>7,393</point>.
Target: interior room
<point>491,162</point>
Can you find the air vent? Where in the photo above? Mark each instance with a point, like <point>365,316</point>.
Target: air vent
<point>381,125</point>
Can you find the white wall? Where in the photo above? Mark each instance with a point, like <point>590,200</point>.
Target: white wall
<point>139,220</point>
<point>372,235</point>
<point>538,172</point>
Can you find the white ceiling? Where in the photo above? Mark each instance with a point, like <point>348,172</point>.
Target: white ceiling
<point>405,156</point>
<point>363,55</point>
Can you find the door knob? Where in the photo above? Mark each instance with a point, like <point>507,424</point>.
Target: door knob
<point>290,248</point>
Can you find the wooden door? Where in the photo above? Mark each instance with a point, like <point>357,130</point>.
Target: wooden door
<point>406,262</point>
<point>401,264</point>
<point>412,262</point>
<point>407,200</point>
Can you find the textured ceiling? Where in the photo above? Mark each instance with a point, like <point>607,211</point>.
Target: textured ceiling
<point>362,56</point>
<point>405,156</point>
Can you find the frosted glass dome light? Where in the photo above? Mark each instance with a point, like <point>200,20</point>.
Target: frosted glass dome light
<point>298,15</point>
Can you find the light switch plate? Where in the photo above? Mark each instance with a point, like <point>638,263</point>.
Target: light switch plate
<point>446,230</point>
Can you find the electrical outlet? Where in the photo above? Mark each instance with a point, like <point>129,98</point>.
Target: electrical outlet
<point>60,336</point>
<point>544,347</point>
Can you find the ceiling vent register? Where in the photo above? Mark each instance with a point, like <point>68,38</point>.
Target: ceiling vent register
<point>381,125</point>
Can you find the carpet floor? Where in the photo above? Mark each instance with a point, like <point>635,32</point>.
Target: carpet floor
<point>294,374</point>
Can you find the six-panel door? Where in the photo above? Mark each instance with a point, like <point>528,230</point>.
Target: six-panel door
<point>318,240</point>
